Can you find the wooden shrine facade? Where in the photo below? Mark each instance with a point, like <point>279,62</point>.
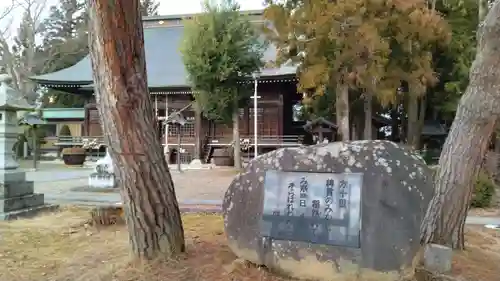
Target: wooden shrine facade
<point>200,136</point>
<point>169,87</point>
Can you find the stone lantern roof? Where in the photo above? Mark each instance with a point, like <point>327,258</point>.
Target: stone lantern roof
<point>10,99</point>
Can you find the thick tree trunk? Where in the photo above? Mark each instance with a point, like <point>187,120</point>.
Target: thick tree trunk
<point>342,111</point>
<point>412,108</point>
<point>394,123</point>
<point>482,9</point>
<point>421,122</point>
<point>236,135</point>
<point>198,142</point>
<point>119,69</point>
<point>467,141</point>
<point>368,130</point>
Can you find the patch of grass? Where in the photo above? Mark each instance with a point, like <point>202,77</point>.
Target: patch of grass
<point>485,212</point>
<point>480,260</point>
<point>62,246</point>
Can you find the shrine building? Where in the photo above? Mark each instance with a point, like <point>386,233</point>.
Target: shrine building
<point>170,92</point>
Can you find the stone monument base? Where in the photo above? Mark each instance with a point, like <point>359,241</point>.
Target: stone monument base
<point>196,164</point>
<point>27,212</point>
<point>17,197</point>
<point>102,180</point>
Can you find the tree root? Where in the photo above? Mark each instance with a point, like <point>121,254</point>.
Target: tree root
<point>105,216</point>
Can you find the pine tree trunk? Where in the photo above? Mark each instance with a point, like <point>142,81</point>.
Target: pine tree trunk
<point>421,122</point>
<point>368,130</point>
<point>342,111</point>
<point>198,142</point>
<point>467,141</point>
<point>412,120</point>
<point>236,135</point>
<point>482,9</point>
<point>118,63</point>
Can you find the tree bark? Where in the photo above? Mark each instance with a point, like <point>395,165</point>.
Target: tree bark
<point>118,62</point>
<point>467,141</point>
<point>236,135</point>
<point>368,130</point>
<point>482,10</point>
<point>395,130</point>
<point>198,132</point>
<point>412,120</point>
<point>342,111</point>
<point>421,122</point>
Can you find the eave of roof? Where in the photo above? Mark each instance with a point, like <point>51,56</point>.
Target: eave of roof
<point>165,68</point>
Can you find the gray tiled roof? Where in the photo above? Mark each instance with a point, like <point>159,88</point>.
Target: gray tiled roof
<point>163,60</point>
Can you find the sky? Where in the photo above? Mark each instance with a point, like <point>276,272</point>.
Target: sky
<point>167,7</point>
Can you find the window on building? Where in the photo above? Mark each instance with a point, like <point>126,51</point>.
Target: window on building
<point>161,112</point>
<point>188,129</point>
<point>50,130</point>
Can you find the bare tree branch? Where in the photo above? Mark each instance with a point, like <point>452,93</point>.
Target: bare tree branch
<point>7,11</point>
<point>18,51</point>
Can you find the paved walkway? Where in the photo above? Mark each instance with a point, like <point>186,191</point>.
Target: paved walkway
<point>474,220</point>
<point>194,187</point>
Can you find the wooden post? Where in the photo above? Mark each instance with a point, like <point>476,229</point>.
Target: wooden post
<point>156,107</point>
<point>197,131</point>
<point>35,148</point>
<point>166,149</point>
<point>116,45</point>
<point>179,148</point>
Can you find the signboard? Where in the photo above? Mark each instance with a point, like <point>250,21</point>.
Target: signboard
<point>102,178</point>
<point>322,208</point>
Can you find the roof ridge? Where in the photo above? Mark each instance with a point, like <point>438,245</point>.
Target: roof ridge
<point>183,16</point>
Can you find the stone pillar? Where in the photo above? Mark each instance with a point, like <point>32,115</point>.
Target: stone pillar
<point>17,197</point>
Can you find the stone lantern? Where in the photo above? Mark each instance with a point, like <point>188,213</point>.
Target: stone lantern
<point>17,197</point>
<point>10,103</point>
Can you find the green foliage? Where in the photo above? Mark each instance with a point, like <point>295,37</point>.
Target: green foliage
<point>65,131</point>
<point>483,191</point>
<point>370,45</point>
<point>58,99</point>
<point>220,49</point>
<point>65,42</point>
<point>454,60</point>
<point>319,106</point>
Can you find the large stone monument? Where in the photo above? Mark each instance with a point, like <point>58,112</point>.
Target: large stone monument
<point>338,211</point>
<point>17,197</point>
<point>103,176</point>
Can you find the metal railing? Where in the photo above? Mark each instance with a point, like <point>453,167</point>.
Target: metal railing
<point>78,140</point>
<point>263,140</point>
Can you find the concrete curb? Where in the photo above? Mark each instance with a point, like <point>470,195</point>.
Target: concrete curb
<point>201,209</point>
<point>184,208</point>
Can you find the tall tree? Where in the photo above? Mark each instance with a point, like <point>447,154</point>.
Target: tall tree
<point>65,42</point>
<point>467,141</point>
<point>19,52</point>
<point>370,46</point>
<point>118,62</point>
<point>220,49</point>
<point>149,8</point>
